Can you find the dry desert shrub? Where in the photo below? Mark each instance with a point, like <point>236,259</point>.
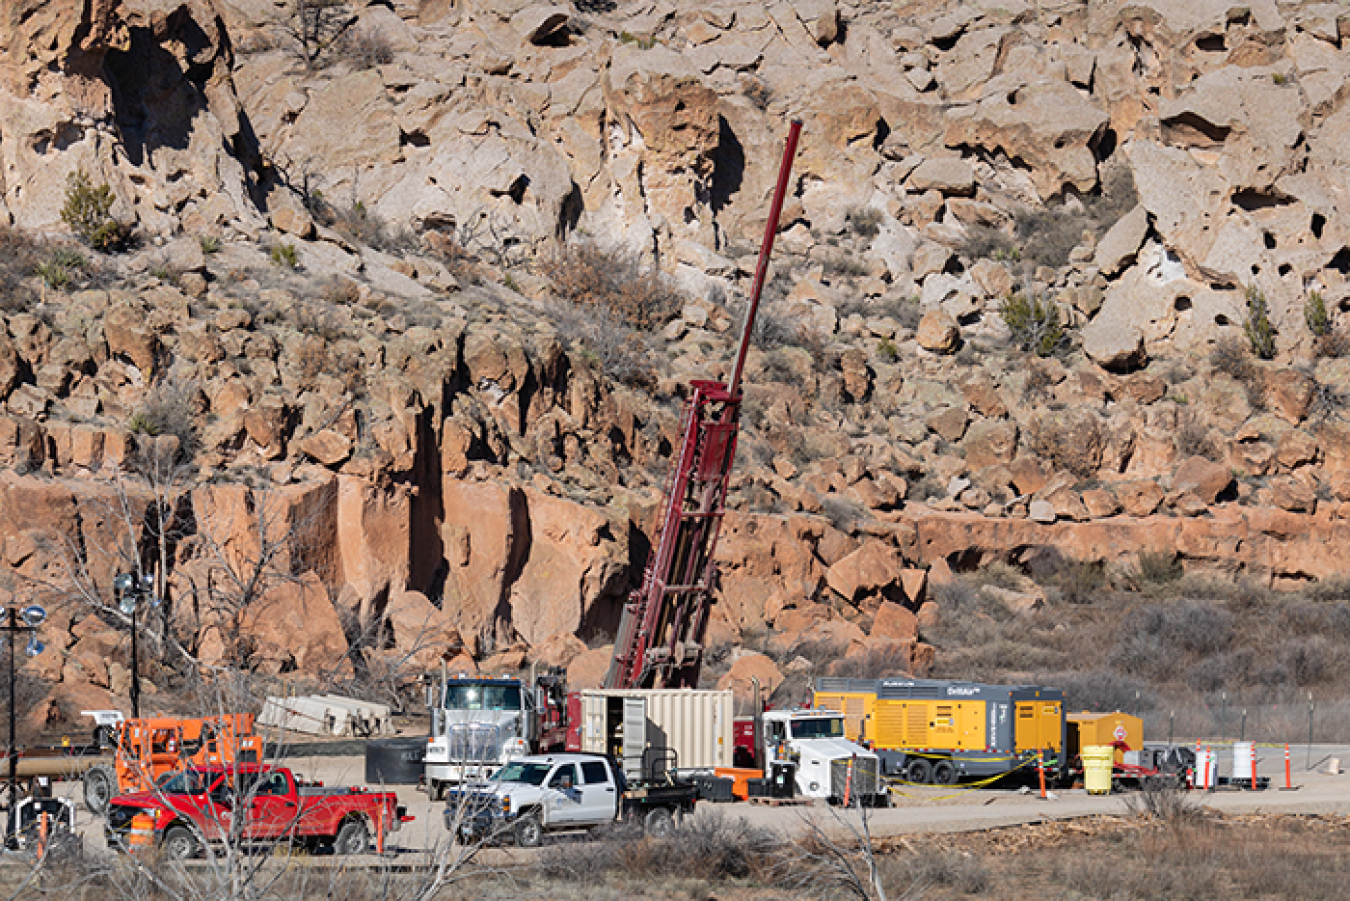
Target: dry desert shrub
<point>614,279</point>
<point>1072,440</point>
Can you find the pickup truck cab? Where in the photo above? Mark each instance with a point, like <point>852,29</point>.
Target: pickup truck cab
<point>554,792</point>
<point>188,809</point>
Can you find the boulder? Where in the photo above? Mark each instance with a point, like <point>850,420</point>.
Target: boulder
<point>327,447</point>
<point>1018,601</point>
<point>938,332</point>
<point>1120,244</point>
<point>946,174</point>
<point>423,634</point>
<point>541,24</point>
<point>130,336</point>
<point>895,621</point>
<point>990,443</point>
<point>1294,494</point>
<point>294,626</point>
<point>747,667</point>
<point>1296,448</point>
<point>870,569</point>
<point>1113,341</point>
<point>1204,478</point>
<point>914,582</point>
<point>1289,394</point>
<point>588,668</point>
<point>1041,510</point>
<point>949,423</point>
<point>1048,125</point>
<point>1100,503</point>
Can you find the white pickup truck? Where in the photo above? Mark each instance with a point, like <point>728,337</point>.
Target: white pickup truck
<point>554,792</point>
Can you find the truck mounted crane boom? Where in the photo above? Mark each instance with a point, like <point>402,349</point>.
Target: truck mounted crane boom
<point>660,638</point>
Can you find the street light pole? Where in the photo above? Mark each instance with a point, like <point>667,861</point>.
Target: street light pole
<point>135,675</point>
<point>32,616</point>
<point>130,592</point>
<point>11,625</point>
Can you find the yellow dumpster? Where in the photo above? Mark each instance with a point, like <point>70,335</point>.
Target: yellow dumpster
<point>1097,763</point>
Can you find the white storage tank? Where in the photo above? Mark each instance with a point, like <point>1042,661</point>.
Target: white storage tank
<point>1244,763</point>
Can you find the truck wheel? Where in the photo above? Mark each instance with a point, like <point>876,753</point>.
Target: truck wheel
<point>352,838</point>
<point>180,843</point>
<point>100,784</point>
<point>919,771</point>
<point>529,831</point>
<point>944,773</point>
<point>659,823</point>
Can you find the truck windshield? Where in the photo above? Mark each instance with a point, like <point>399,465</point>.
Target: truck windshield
<point>482,697</point>
<point>818,728</point>
<point>528,773</point>
<point>184,783</point>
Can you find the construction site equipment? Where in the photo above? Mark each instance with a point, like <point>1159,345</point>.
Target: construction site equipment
<point>1097,763</point>
<point>478,723</point>
<point>661,630</point>
<point>806,749</point>
<point>1123,732</point>
<point>934,731</point>
<point>327,715</point>
<point>146,749</point>
<point>695,727</point>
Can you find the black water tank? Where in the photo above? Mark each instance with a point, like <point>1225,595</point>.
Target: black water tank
<point>395,761</point>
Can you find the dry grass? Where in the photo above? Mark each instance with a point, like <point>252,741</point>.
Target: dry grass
<point>1188,654</point>
<point>615,280</point>
<point>1135,858</point>
<point>1071,440</point>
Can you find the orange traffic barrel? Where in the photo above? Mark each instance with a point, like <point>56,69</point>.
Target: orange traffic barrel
<point>142,834</point>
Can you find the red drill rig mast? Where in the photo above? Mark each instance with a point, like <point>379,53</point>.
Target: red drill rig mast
<point>660,640</point>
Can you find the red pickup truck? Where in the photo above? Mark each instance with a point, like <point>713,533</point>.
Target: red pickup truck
<point>193,807</point>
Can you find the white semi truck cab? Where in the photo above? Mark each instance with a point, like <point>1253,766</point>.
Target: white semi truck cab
<point>480,723</point>
<point>808,747</point>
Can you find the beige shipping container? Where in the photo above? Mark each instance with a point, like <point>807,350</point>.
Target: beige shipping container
<point>695,724</point>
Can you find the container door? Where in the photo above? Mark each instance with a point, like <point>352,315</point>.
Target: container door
<point>634,736</point>
<point>970,717</point>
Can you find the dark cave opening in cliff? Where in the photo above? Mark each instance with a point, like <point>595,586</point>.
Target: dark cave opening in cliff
<point>154,100</point>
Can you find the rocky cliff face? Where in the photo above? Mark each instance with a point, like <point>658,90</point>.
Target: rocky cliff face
<point>396,452</point>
